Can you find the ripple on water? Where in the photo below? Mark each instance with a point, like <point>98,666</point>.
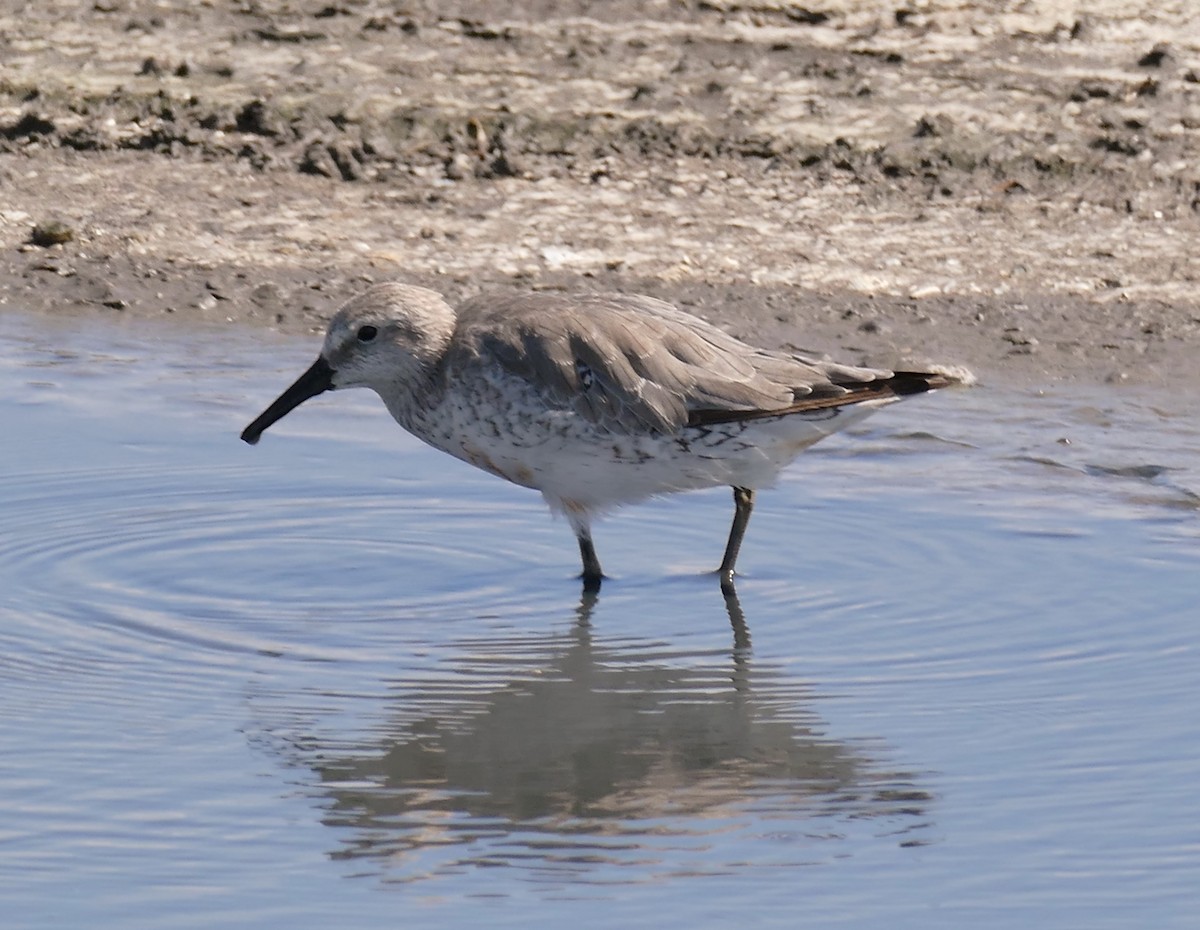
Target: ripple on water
<point>200,556</point>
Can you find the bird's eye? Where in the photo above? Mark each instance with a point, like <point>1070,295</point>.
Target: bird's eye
<point>367,333</point>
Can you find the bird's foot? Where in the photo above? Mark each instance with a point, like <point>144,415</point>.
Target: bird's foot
<point>725,575</point>
<point>591,582</point>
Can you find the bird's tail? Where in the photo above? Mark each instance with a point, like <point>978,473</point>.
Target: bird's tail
<point>936,376</point>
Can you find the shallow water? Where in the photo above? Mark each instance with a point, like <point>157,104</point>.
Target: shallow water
<point>341,680</point>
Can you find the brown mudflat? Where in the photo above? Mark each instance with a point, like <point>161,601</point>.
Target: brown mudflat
<point>1016,192</point>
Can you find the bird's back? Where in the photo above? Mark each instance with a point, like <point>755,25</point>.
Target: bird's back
<point>632,364</point>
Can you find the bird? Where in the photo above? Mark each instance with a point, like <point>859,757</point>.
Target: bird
<point>594,399</point>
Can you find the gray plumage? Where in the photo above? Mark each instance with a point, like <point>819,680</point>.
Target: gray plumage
<point>653,367</point>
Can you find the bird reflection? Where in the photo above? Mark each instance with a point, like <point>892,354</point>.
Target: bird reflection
<point>737,620</point>
<point>560,741</point>
<point>733,608</point>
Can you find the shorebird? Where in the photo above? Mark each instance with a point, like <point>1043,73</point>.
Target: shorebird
<point>596,400</point>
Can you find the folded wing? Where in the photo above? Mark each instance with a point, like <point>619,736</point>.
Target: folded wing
<point>635,364</point>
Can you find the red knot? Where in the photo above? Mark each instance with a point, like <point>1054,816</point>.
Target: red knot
<point>596,400</point>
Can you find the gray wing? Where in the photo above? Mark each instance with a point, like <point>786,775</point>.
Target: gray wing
<point>634,364</point>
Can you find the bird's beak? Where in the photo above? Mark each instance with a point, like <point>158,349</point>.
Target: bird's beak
<point>317,380</point>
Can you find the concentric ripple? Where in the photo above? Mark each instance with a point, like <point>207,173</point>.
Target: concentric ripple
<point>198,554</point>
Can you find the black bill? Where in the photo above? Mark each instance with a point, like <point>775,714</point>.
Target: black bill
<point>317,380</point>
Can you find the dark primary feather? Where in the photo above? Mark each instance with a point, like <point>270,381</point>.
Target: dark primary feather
<point>895,384</point>
<point>651,367</point>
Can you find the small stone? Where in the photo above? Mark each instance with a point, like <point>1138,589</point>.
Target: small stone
<point>1014,336</point>
<point>459,167</point>
<point>267,296</point>
<point>318,160</point>
<point>1155,57</point>
<point>51,233</point>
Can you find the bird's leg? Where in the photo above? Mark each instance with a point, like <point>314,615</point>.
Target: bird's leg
<point>592,573</point>
<point>743,502</point>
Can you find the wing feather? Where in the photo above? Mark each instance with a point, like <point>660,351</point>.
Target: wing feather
<point>635,364</point>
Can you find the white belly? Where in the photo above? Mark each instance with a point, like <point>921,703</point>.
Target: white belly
<point>575,463</point>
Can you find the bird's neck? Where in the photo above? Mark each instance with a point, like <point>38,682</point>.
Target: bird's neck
<point>419,385</point>
<point>412,399</point>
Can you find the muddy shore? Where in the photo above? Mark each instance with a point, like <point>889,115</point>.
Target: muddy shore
<point>1010,186</point>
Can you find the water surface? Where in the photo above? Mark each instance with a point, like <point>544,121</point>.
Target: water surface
<point>341,680</point>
